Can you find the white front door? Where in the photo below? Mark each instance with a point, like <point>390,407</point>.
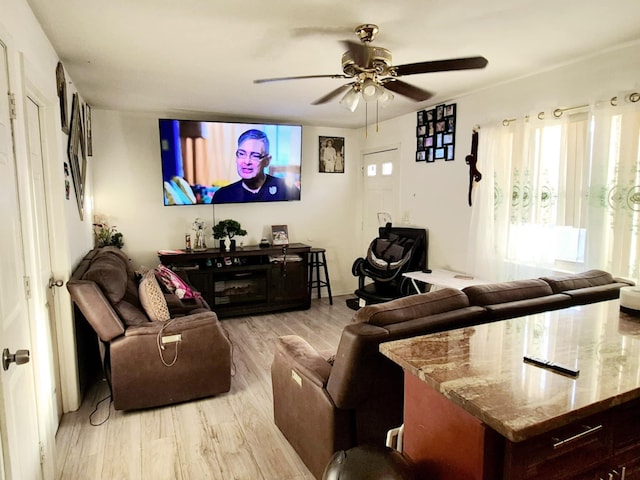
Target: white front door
<point>18,412</point>
<point>380,191</point>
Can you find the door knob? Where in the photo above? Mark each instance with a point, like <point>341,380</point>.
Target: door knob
<point>55,283</point>
<point>20,357</point>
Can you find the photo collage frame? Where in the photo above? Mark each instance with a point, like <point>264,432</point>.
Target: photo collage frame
<point>436,133</point>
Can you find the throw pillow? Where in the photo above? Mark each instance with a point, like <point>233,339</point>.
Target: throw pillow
<point>173,283</point>
<point>152,298</point>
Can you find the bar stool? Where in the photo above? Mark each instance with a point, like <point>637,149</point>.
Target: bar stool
<point>318,259</point>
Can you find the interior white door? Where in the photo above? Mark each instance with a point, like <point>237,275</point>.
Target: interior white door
<point>379,191</point>
<point>18,412</point>
<point>44,286</point>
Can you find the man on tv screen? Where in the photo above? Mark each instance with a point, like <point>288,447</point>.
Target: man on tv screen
<point>252,157</point>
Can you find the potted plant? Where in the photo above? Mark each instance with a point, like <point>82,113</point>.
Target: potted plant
<point>227,229</point>
<point>106,235</point>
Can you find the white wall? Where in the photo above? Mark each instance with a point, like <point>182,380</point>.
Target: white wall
<point>128,188</point>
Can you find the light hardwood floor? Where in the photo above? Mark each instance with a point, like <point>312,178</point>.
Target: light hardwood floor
<point>230,436</point>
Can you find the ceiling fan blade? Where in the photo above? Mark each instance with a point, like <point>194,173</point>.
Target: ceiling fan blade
<point>279,79</point>
<point>466,63</point>
<point>411,91</point>
<point>360,53</point>
<point>332,94</point>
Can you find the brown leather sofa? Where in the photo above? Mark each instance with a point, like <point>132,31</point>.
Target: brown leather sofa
<point>149,363</point>
<point>324,404</point>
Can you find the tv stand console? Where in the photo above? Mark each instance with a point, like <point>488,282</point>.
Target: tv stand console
<point>248,280</point>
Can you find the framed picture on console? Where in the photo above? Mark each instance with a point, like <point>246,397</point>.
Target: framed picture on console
<point>279,235</point>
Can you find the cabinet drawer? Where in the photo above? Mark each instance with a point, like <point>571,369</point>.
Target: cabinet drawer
<point>627,425</point>
<point>561,453</point>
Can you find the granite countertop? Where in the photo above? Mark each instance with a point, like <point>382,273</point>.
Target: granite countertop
<point>481,368</point>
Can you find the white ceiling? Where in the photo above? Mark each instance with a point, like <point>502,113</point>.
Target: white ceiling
<point>200,57</point>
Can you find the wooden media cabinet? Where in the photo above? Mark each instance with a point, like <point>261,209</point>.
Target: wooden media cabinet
<point>248,280</point>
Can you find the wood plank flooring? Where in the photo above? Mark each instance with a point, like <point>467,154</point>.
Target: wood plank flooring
<point>230,436</point>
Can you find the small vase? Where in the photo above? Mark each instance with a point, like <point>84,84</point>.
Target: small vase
<point>222,245</point>
<point>232,244</point>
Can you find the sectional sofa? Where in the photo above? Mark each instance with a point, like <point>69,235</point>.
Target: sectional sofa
<point>324,403</point>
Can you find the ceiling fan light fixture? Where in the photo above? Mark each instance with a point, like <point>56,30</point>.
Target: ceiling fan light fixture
<point>351,99</point>
<point>385,98</point>
<point>371,90</point>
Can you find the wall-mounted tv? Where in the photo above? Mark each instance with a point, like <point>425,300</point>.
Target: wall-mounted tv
<point>206,162</point>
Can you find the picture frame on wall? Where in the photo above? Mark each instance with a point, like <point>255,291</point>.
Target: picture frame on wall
<point>61,85</point>
<point>87,129</point>
<point>331,154</point>
<point>435,133</point>
<point>76,152</point>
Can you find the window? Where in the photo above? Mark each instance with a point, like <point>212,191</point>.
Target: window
<point>561,195</point>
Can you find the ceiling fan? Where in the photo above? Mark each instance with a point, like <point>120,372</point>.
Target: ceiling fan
<point>374,75</point>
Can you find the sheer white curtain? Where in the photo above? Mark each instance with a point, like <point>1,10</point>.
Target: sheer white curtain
<point>561,194</point>
<point>613,212</point>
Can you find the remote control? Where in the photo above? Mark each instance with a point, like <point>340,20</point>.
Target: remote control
<point>552,366</point>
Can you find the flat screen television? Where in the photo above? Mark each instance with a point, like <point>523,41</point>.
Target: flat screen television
<point>205,162</point>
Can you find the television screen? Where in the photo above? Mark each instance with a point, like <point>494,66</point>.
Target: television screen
<point>218,162</point>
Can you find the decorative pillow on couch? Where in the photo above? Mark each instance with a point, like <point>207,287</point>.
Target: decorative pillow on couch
<point>152,298</point>
<point>173,283</point>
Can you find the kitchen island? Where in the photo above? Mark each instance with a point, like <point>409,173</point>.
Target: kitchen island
<point>474,409</point>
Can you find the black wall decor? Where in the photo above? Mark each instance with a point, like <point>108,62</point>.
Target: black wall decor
<point>436,133</point>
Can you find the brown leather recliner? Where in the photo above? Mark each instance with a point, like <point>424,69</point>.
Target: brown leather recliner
<point>323,405</point>
<point>149,363</point>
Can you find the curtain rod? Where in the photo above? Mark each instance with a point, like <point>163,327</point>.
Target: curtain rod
<point>557,113</point>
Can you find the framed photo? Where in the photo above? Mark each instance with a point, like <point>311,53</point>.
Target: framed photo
<point>76,152</point>
<point>435,133</point>
<point>61,85</point>
<point>429,155</point>
<point>331,154</point>
<point>279,235</point>
<point>449,152</point>
<point>87,130</point>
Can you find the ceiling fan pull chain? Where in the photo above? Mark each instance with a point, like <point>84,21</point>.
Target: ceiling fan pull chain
<point>366,119</point>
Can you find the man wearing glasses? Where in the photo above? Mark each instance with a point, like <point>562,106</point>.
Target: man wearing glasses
<point>252,157</point>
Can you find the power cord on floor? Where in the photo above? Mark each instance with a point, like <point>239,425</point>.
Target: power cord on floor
<point>95,410</point>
